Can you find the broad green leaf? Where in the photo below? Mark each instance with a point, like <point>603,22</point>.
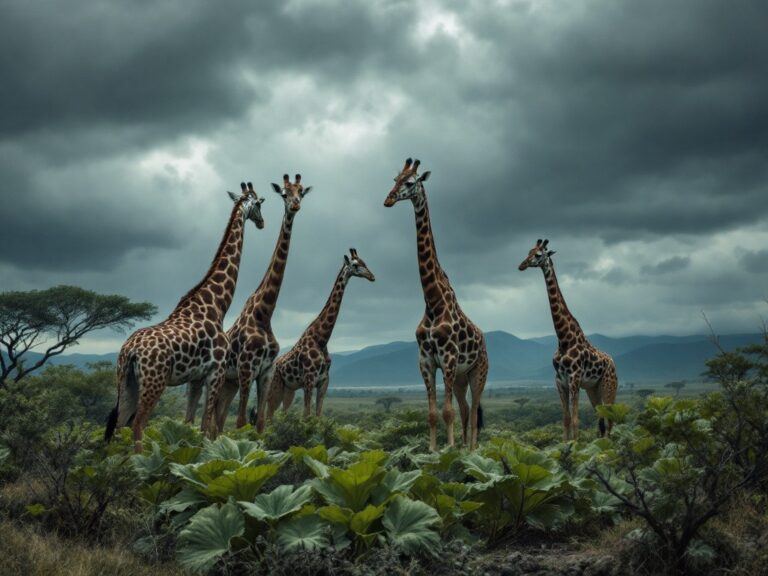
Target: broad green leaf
<point>200,475</point>
<point>468,506</point>
<point>207,536</point>
<point>643,444</point>
<point>411,525</point>
<point>360,521</point>
<point>395,482</point>
<point>224,448</point>
<point>336,514</point>
<point>482,468</point>
<point>150,465</point>
<point>282,501</point>
<point>303,532</point>
<point>373,456</point>
<point>242,484</point>
<point>549,514</point>
<point>350,488</point>
<point>154,492</point>
<point>185,499</point>
<point>319,453</point>
<point>427,487</point>
<point>318,468</point>
<point>184,454</point>
<point>616,413</point>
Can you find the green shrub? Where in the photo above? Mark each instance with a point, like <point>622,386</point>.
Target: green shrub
<point>290,429</point>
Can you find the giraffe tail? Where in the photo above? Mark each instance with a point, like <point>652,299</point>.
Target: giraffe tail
<point>111,423</point>
<point>128,389</point>
<point>480,421</point>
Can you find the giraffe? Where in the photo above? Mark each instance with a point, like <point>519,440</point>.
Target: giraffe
<point>190,344</point>
<point>446,337</point>
<point>578,364</point>
<point>307,364</point>
<point>252,345</point>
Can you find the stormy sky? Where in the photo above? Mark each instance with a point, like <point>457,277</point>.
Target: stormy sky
<point>634,135</point>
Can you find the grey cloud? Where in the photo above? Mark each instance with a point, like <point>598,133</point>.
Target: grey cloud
<point>603,125</point>
<point>754,261</point>
<point>666,266</point>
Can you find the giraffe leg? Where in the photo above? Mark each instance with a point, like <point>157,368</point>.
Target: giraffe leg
<point>244,380</point>
<point>595,398</point>
<point>288,398</point>
<point>608,388</point>
<point>225,397</point>
<point>214,382</point>
<point>574,385</point>
<point>449,377</point>
<point>275,392</point>
<point>477,378</point>
<point>562,390</point>
<point>308,382</point>
<point>460,390</point>
<point>152,389</point>
<point>194,391</point>
<point>262,391</point>
<point>322,388</point>
<point>428,368</point>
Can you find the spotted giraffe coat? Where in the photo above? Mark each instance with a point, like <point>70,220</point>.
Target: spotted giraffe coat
<point>578,364</point>
<point>190,343</point>
<point>446,337</point>
<point>306,366</point>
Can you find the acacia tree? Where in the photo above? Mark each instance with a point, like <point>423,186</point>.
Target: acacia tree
<point>387,402</point>
<point>521,402</point>
<point>50,321</point>
<point>677,385</point>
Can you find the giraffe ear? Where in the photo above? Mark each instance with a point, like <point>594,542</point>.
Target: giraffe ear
<point>276,188</point>
<point>346,260</point>
<point>306,191</point>
<point>551,252</point>
<point>234,196</point>
<point>424,177</point>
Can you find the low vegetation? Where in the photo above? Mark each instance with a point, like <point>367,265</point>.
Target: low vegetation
<point>679,488</point>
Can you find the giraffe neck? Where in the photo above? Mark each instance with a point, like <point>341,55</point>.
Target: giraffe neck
<point>323,325</point>
<point>433,278</point>
<point>212,296</point>
<point>561,316</point>
<point>265,296</point>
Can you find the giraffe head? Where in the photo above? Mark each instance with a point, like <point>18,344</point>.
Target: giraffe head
<point>538,257</point>
<point>408,184</point>
<point>292,193</point>
<point>355,266</point>
<point>250,202</point>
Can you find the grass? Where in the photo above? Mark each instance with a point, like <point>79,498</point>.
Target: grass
<point>25,551</point>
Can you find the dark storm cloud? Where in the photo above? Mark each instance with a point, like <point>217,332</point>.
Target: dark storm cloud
<point>666,266</point>
<point>598,124</point>
<point>755,261</point>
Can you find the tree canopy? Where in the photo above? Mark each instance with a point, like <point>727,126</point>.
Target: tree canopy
<point>387,401</point>
<point>49,321</point>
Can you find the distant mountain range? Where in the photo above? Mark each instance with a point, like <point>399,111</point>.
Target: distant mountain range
<point>638,359</point>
